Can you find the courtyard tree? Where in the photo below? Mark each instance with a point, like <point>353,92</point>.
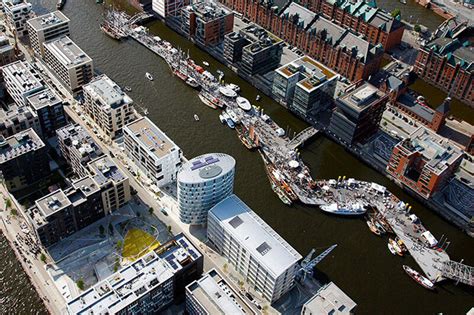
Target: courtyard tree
<point>80,284</point>
<point>417,28</point>
<point>169,229</point>
<point>43,257</point>
<point>119,244</point>
<point>101,229</point>
<point>8,203</point>
<point>150,210</point>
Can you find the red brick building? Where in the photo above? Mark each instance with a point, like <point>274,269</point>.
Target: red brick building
<point>206,23</point>
<point>362,17</point>
<point>333,45</point>
<point>424,162</point>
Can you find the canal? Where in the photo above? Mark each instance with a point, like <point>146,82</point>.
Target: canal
<point>361,265</point>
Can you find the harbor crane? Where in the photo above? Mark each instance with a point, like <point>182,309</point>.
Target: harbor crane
<point>307,265</point>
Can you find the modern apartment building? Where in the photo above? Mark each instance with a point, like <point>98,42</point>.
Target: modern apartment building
<point>69,63</point>
<point>64,212</point>
<point>23,160</point>
<point>49,108</point>
<point>268,263</point>
<point>45,28</point>
<point>424,162</point>
<point>329,299</point>
<point>336,46</point>
<point>206,22</point>
<point>447,61</point>
<point>305,86</point>
<point>152,151</point>
<point>168,8</point>
<point>18,118</point>
<point>212,294</point>
<point>202,183</point>
<point>261,51</point>
<point>21,80</point>
<point>108,105</point>
<point>78,148</point>
<point>17,13</point>
<point>358,112</point>
<point>7,53</point>
<point>114,185</point>
<point>147,286</point>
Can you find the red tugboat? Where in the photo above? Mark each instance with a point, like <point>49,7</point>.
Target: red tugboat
<point>415,275</point>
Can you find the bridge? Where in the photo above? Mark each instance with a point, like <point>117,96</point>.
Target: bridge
<point>302,137</point>
<point>139,18</point>
<point>459,272</point>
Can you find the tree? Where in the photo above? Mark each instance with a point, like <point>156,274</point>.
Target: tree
<point>43,257</point>
<point>101,229</point>
<point>150,210</point>
<point>8,203</point>
<point>80,284</point>
<point>417,28</point>
<point>138,214</point>
<point>169,229</point>
<point>111,229</point>
<point>119,244</point>
<point>395,13</point>
<point>116,266</point>
<point>14,212</point>
<point>225,267</point>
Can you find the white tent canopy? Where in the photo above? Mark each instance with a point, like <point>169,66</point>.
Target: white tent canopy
<point>413,218</point>
<point>378,188</point>
<point>430,238</point>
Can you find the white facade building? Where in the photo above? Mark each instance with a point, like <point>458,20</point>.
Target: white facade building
<point>70,63</point>
<point>152,151</point>
<point>21,81</point>
<point>268,263</point>
<point>17,13</point>
<point>167,8</point>
<point>212,294</point>
<point>202,183</point>
<point>45,28</point>
<point>108,105</point>
<point>330,299</point>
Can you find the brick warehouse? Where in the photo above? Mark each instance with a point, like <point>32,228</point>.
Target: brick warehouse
<point>446,62</point>
<point>362,17</point>
<point>334,46</point>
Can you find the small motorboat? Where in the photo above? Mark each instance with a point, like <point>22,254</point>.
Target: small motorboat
<point>403,1</point>
<point>149,76</point>
<point>258,98</point>
<point>415,275</point>
<point>192,83</point>
<point>391,249</point>
<point>401,244</point>
<point>397,248</point>
<point>127,89</point>
<point>222,119</point>
<point>196,117</point>
<point>234,87</point>
<point>373,228</point>
<point>205,63</point>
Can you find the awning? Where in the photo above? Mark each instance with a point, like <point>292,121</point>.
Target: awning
<point>378,188</point>
<point>430,238</point>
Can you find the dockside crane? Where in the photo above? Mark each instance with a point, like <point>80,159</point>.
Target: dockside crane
<point>308,264</point>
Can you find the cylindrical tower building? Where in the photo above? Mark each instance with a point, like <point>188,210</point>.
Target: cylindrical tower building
<point>203,182</point>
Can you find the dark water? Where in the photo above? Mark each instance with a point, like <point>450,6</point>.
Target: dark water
<point>361,265</point>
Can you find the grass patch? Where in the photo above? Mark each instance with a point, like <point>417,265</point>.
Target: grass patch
<point>137,243</point>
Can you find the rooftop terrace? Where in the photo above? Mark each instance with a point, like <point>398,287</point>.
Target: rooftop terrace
<point>19,144</point>
<point>44,98</point>
<point>107,91</point>
<point>105,171</point>
<point>23,76</point>
<point>48,20</point>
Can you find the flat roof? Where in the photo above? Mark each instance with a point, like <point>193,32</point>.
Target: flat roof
<point>259,38</point>
<point>104,170</point>
<point>67,52</point>
<point>439,152</point>
<point>265,245</point>
<point>20,143</point>
<point>419,107</point>
<point>361,97</point>
<point>23,76</point>
<point>44,98</point>
<point>48,20</point>
<point>330,300</point>
<point>149,136</point>
<point>206,167</point>
<point>86,185</point>
<point>75,136</point>
<point>16,114</point>
<point>107,91</point>
<point>53,202</point>
<point>209,11</point>
<point>216,296</point>
<point>123,287</point>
